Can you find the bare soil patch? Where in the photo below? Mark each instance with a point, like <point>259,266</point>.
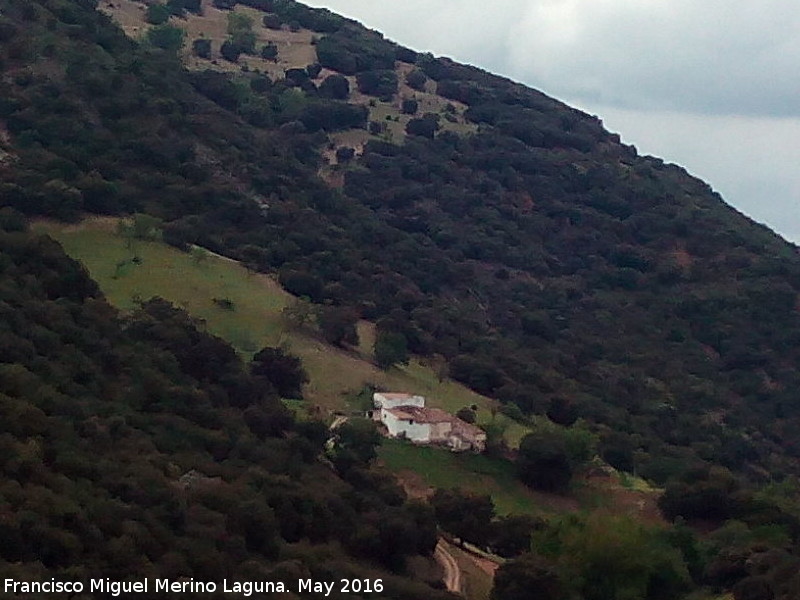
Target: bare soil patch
<point>295,48</point>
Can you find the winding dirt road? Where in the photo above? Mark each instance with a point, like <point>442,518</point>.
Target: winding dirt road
<point>452,574</point>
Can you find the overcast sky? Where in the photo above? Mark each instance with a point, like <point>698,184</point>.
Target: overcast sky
<point>713,86</point>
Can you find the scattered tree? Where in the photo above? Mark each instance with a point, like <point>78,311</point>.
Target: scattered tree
<point>344,154</point>
<point>157,14</point>
<point>355,444</point>
<point>167,37</point>
<point>562,411</point>
<point>240,30</point>
<point>295,76</point>
<point>224,303</point>
<point>409,106</point>
<point>230,51</point>
<point>617,449</point>
<point>202,47</point>
<point>511,535</point>
<point>338,325</point>
<point>314,70</point>
<point>529,576</point>
<point>298,315</point>
<point>284,371</point>
<point>336,87</point>
<point>543,462</point>
<point>440,367</point>
<point>140,227</point>
<point>376,127</point>
<point>496,443</point>
<point>416,79</point>
<point>426,126</point>
<point>466,516</point>
<point>391,348</point>
<point>270,52</point>
<point>467,415</point>
<point>380,83</point>
<point>272,21</point>
<point>194,6</point>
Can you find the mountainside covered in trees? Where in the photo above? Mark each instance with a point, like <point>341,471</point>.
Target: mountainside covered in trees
<point>552,266</point>
<point>140,447</point>
<point>549,264</point>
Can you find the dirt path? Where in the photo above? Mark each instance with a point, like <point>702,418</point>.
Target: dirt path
<point>452,574</point>
<point>339,420</point>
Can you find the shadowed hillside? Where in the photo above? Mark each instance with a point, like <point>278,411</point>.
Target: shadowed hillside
<point>468,216</point>
<point>544,260</point>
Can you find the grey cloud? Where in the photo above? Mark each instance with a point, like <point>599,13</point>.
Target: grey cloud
<point>712,57</point>
<point>750,161</point>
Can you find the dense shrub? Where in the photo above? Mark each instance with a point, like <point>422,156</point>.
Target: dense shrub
<point>353,52</point>
<point>282,370</point>
<point>269,51</point>
<point>409,106</point>
<point>416,79</point>
<point>335,87</point>
<point>202,47</point>
<point>157,14</point>
<point>543,462</point>
<point>426,126</point>
<point>166,37</point>
<point>382,84</point>
<point>272,21</point>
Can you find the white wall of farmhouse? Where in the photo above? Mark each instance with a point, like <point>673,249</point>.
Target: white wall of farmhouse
<point>416,432</point>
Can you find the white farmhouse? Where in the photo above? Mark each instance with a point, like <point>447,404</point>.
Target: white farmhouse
<point>394,399</point>
<point>432,426</point>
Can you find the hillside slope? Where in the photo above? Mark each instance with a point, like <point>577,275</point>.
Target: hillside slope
<point>139,447</point>
<point>254,320</point>
<point>478,220</point>
<point>554,267</point>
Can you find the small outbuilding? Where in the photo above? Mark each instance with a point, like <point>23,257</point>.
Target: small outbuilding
<point>394,399</point>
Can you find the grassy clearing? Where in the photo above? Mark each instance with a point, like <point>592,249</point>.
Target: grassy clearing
<point>294,47</point>
<point>176,276</point>
<point>430,101</point>
<point>295,50</point>
<point>129,15</point>
<point>424,469</point>
<point>255,320</point>
<point>475,473</point>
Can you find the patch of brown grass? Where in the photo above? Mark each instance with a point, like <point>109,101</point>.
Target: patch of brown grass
<point>295,49</point>
<point>128,14</point>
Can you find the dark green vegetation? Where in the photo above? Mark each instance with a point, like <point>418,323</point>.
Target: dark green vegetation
<point>474,474</point>
<point>551,266</point>
<point>598,558</point>
<point>141,447</point>
<point>541,257</point>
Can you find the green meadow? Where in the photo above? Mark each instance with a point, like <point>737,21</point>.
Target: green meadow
<point>476,473</point>
<point>252,319</point>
